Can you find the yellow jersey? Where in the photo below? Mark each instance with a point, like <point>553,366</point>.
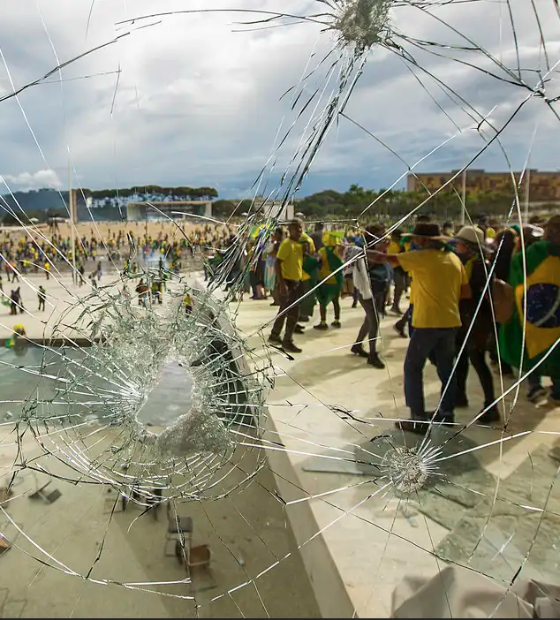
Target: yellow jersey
<point>438,277</point>
<point>291,254</point>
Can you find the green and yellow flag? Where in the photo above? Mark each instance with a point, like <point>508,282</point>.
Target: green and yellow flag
<point>539,312</point>
<point>331,264</point>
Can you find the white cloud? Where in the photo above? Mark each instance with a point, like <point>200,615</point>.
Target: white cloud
<point>36,180</point>
<point>198,104</point>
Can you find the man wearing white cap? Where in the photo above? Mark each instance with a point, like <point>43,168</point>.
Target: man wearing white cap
<point>470,246</point>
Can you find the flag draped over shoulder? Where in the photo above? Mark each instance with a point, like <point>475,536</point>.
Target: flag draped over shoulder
<point>330,263</point>
<point>541,317</point>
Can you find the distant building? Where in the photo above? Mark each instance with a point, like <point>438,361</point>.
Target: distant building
<point>275,208</point>
<point>543,186</point>
<point>140,211</point>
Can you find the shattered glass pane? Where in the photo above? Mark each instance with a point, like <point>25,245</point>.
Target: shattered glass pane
<point>153,437</point>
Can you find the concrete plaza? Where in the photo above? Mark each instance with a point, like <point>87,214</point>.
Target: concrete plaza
<point>350,536</point>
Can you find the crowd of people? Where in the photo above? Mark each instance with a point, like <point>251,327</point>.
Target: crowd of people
<point>25,252</point>
<point>480,295</point>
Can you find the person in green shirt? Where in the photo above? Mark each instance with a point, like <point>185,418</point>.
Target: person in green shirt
<point>330,287</point>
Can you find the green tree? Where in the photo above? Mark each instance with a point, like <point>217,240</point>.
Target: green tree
<point>223,208</point>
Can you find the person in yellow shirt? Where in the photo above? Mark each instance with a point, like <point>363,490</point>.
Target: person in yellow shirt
<point>289,274</point>
<point>187,302</point>
<point>440,281</point>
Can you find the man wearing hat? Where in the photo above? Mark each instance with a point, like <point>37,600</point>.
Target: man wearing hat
<point>529,340</point>
<point>440,281</point>
<point>476,311</point>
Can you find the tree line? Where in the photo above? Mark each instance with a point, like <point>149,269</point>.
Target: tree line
<point>394,203</point>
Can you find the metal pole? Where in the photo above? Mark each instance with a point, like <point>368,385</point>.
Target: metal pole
<point>527,191</point>
<point>463,197</point>
<point>72,221</point>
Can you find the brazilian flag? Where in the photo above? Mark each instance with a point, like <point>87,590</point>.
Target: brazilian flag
<point>542,318</point>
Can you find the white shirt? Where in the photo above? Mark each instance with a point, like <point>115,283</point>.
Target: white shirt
<point>360,275</point>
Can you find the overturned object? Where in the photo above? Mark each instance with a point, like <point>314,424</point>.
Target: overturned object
<point>4,544</point>
<point>48,498</point>
<point>457,592</point>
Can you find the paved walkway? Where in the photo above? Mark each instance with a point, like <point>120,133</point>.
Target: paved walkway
<point>326,403</point>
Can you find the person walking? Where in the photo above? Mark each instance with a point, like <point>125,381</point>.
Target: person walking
<point>14,301</point>
<point>399,274</point>
<point>371,280</point>
<point>289,274</point>
<point>477,321</point>
<point>440,282</point>
<point>42,297</point>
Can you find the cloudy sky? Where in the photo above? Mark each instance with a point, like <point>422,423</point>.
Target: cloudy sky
<point>195,99</point>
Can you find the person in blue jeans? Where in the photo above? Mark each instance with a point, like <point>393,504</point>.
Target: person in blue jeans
<point>440,281</point>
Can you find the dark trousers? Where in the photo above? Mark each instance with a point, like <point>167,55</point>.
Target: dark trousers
<point>495,355</point>
<point>336,306</point>
<point>276,294</point>
<point>370,326</point>
<point>291,317</point>
<point>399,277</point>
<point>477,357</point>
<point>406,319</point>
<point>438,343</point>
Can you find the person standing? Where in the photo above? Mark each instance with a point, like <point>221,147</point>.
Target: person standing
<point>309,278</point>
<point>14,302</point>
<point>289,274</point>
<point>42,297</point>
<point>529,339</point>
<point>330,282</point>
<point>317,235</point>
<point>440,282</point>
<point>187,303</point>
<point>81,271</point>
<point>15,275</point>
<point>270,280</point>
